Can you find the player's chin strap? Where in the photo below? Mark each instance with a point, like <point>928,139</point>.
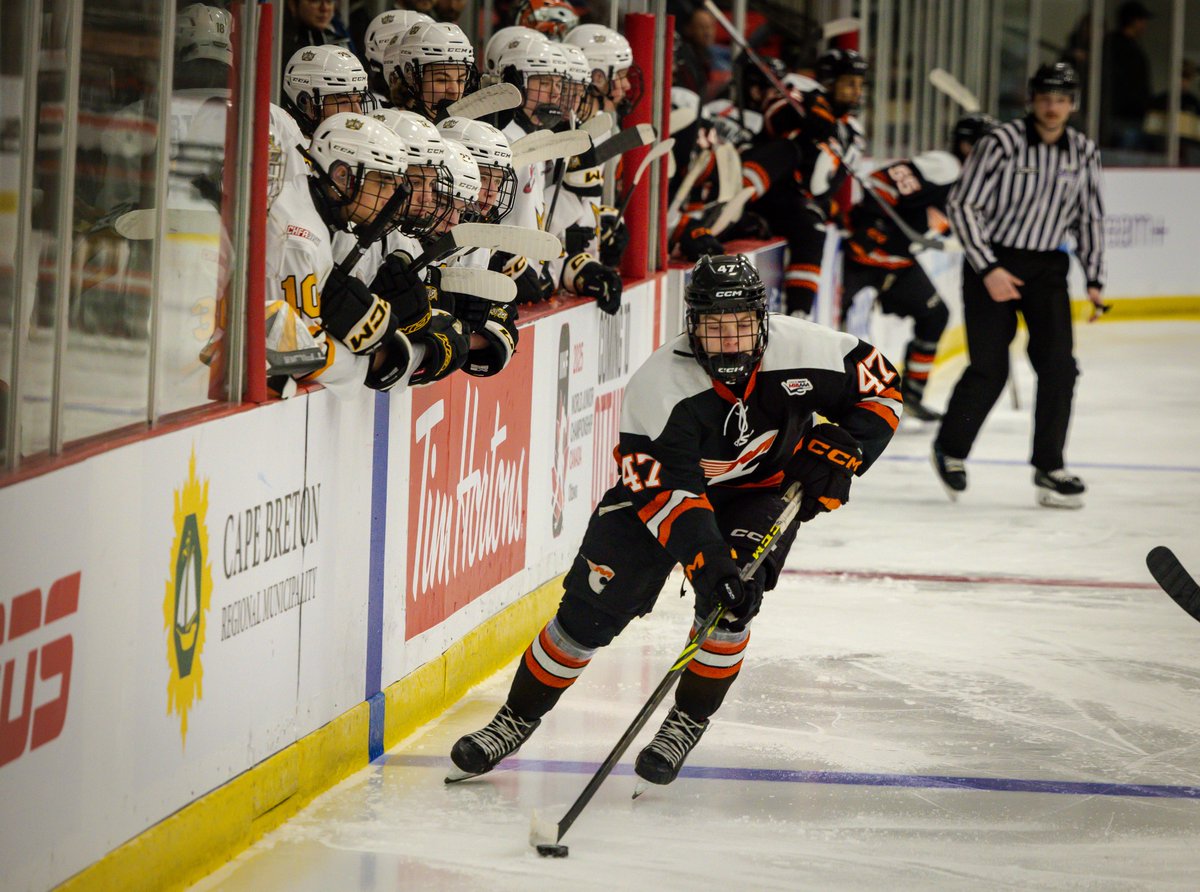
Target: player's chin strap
<point>911,234</point>
<point>792,505</point>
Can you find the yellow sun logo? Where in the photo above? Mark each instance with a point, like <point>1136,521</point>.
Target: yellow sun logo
<point>188,597</point>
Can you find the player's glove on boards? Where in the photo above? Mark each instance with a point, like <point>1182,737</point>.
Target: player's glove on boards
<point>447,342</point>
<point>825,463</point>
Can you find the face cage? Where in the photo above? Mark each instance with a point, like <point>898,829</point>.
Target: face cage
<point>422,95</point>
<point>335,203</point>
<point>309,122</point>
<point>731,369</point>
<point>637,87</point>
<point>546,115</point>
<point>505,196</point>
<point>420,227</point>
<point>574,101</point>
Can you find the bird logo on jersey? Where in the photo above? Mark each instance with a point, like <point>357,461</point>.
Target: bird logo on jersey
<point>599,577</point>
<point>718,470</point>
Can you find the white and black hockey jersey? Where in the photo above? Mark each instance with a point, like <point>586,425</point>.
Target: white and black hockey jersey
<point>682,432</point>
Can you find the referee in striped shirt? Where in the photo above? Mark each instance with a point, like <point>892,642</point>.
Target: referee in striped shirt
<point>1027,186</point>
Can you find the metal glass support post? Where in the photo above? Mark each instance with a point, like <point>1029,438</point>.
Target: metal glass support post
<point>22,303</point>
<point>162,161</point>
<point>1175,94</point>
<point>881,143</point>
<point>739,15</point>
<point>65,220</point>
<point>1095,75</point>
<point>277,51</point>
<point>904,82</point>
<point>1032,48</point>
<point>235,369</point>
<point>657,169</point>
<point>941,60</point>
<point>993,103</point>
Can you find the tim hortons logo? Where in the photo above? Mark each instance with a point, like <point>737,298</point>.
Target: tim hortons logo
<point>468,470</point>
<point>188,596</point>
<point>33,670</point>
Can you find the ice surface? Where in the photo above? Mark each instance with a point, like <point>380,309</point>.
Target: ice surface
<point>985,694</point>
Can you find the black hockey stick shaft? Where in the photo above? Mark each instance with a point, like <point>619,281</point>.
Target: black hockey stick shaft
<point>909,233</point>
<point>1177,582</point>
<point>786,516</point>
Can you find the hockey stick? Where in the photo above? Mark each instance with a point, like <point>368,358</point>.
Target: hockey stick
<point>598,125</point>
<point>732,211</point>
<point>911,234</point>
<point>653,155</point>
<point>694,172</point>
<point>628,139</point>
<point>374,229</point>
<point>485,101</point>
<point>546,145</point>
<point>483,283</point>
<point>1177,582</point>
<point>547,836</point>
<point>729,171</point>
<point>943,81</point>
<point>519,240</point>
<point>838,27</point>
<point>139,224</point>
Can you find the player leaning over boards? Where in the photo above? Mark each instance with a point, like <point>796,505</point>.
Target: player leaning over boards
<point>714,426</point>
<point>1028,185</point>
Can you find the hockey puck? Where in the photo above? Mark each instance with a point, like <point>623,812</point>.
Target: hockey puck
<point>552,851</point>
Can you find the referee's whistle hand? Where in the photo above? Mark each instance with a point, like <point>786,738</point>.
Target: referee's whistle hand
<point>1002,285</point>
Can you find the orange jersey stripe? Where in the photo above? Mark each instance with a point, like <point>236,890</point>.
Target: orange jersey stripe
<point>651,508</point>
<point>883,412</point>
<point>664,529</point>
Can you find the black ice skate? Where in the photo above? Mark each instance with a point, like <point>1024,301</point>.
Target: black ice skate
<point>952,472</point>
<point>659,762</point>
<point>479,752</point>
<point>1058,489</point>
<point>915,408</point>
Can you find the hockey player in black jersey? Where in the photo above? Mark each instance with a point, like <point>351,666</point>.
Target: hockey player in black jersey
<point>878,255</point>
<point>714,426</point>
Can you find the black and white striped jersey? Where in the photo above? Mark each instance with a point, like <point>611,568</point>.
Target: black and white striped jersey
<point>1019,192</point>
<point>682,433</point>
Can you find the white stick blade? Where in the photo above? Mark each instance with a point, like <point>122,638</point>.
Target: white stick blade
<point>732,211</point>
<point>543,831</point>
<point>729,171</point>
<point>599,124</point>
<point>653,155</point>
<point>545,145</point>
<point>483,283</point>
<point>487,101</point>
<point>520,240</point>
<point>838,27</point>
<point>680,118</point>
<point>139,225</point>
<point>945,82</point>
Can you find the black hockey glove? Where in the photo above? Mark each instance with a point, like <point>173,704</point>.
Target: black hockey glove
<point>389,363</point>
<point>446,342</point>
<point>351,313</point>
<point>529,289</point>
<point>824,464</point>
<point>820,123</point>
<point>716,580</point>
<point>614,237</point>
<point>404,290</point>
<point>546,286</point>
<point>496,323</point>
<point>590,278</point>
<point>696,241</point>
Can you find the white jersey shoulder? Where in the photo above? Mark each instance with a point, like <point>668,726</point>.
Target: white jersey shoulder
<point>798,344</point>
<point>668,377</point>
<point>937,167</point>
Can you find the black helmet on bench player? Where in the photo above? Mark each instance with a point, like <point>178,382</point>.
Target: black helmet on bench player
<point>725,284</point>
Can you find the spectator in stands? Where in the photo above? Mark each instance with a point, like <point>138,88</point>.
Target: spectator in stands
<point>313,23</point>
<point>448,10</point>
<point>1189,118</point>
<point>1125,85</point>
<point>698,30</point>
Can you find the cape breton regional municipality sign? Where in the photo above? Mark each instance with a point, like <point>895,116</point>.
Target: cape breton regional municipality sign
<point>469,473</point>
<point>188,597</point>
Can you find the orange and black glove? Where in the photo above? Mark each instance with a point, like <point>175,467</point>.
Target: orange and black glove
<point>824,463</point>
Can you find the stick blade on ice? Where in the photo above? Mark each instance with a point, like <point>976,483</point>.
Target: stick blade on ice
<point>1169,573</point>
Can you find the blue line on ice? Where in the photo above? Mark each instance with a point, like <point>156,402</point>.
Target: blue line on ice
<point>847,778</point>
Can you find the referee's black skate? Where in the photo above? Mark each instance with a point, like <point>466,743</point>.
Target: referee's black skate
<point>952,472</point>
<point>913,406</point>
<point>479,752</point>
<point>1058,489</point>
<point>659,762</point>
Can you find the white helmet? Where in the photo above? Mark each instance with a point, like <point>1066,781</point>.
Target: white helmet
<point>358,141</point>
<point>490,149</point>
<point>533,57</point>
<point>384,27</point>
<point>578,68</point>
<point>609,52</point>
<point>203,32</point>
<point>464,171</point>
<point>423,144</point>
<point>499,42</point>
<point>315,72</point>
<point>433,43</point>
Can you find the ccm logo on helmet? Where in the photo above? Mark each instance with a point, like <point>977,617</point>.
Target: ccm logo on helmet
<point>837,456</point>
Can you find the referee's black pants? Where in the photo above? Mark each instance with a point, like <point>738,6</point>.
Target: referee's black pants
<point>991,326</point>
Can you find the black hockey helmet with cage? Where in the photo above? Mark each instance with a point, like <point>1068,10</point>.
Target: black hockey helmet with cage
<point>726,283</point>
<point>838,63</point>
<point>969,129</point>
<point>1060,77</point>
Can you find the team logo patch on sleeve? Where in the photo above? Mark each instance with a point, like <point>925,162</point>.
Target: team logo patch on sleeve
<point>599,577</point>
<point>797,386</point>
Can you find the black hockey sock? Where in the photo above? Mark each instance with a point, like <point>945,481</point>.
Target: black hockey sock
<point>699,696</point>
<point>548,667</point>
<point>711,673</point>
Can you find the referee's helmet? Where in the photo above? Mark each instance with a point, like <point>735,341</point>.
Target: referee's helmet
<point>1057,78</point>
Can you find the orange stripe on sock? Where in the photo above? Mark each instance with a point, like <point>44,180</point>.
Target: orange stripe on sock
<point>558,655</point>
<point>550,681</point>
<point>711,672</point>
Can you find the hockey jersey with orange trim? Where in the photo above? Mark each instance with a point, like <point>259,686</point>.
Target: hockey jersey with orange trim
<point>680,435</point>
<point>917,189</point>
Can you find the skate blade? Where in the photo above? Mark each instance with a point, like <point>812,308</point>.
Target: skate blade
<point>457,775</point>
<point>640,787</point>
<point>1050,499</point>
